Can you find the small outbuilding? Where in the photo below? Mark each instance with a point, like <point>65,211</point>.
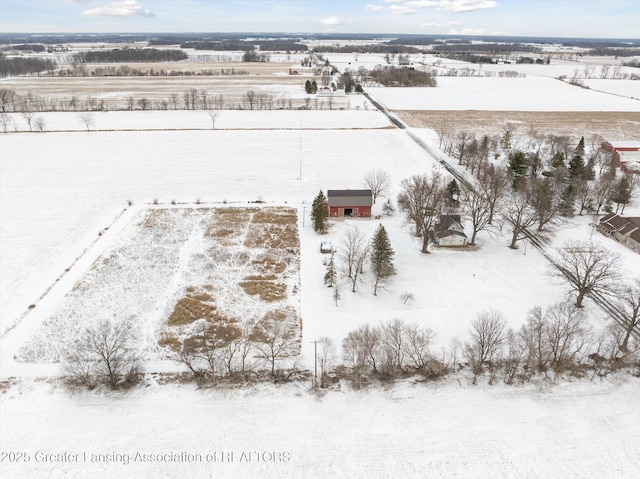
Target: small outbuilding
<point>349,203</point>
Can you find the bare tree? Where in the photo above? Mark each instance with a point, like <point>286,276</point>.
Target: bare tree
<point>107,354</point>
<point>416,347</point>
<point>277,338</point>
<point>493,182</point>
<point>27,114</point>
<point>588,268</point>
<point>205,350</point>
<point>40,123</point>
<point>362,348</point>
<point>6,121</point>
<point>326,358</point>
<point>602,189</point>
<point>478,209</point>
<point>354,252</point>
<point>213,115</point>
<point>87,119</point>
<point>628,304</point>
<point>379,182</point>
<point>422,199</point>
<point>544,200</point>
<point>488,334</point>
<point>520,214</point>
<point>460,144</point>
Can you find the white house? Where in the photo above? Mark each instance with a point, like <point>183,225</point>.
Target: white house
<point>449,231</point>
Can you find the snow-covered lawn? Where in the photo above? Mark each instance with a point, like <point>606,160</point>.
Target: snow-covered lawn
<point>502,94</point>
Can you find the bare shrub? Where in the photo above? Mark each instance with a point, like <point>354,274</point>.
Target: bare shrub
<point>106,355</point>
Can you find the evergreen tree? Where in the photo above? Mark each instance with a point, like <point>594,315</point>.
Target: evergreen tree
<point>331,274</point>
<point>518,166</point>
<point>453,191</point>
<point>621,193</point>
<point>359,88</point>
<point>567,206</point>
<point>381,257</point>
<point>314,87</point>
<point>319,213</point>
<point>307,87</point>
<point>580,147</point>
<point>505,141</point>
<point>558,159</point>
<point>576,167</point>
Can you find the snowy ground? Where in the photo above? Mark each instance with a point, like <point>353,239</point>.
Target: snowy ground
<point>60,189</point>
<point>505,94</point>
<point>411,431</point>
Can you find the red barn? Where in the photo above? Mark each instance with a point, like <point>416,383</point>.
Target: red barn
<point>350,203</point>
<point>625,154</point>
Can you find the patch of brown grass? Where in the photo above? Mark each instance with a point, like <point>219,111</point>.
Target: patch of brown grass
<point>268,291</point>
<point>268,235</point>
<point>168,340</point>
<point>195,305</point>
<point>277,215</point>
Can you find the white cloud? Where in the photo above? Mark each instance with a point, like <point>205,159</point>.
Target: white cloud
<point>466,5</point>
<point>438,24</point>
<point>474,31</point>
<point>374,8</point>
<point>449,5</point>
<point>333,20</point>
<point>402,10</point>
<point>125,8</point>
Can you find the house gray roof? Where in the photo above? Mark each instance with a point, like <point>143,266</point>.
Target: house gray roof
<point>612,222</point>
<point>444,234</point>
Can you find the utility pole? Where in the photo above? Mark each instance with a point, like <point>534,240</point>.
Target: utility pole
<point>315,363</point>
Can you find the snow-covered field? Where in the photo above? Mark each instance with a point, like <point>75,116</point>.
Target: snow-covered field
<point>505,94</point>
<point>59,190</point>
<point>355,118</point>
<point>587,430</point>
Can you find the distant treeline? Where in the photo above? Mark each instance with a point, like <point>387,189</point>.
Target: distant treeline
<point>129,55</point>
<point>401,77</point>
<point>23,66</point>
<point>485,48</point>
<point>28,47</point>
<point>615,52</point>
<point>267,45</point>
<point>395,49</point>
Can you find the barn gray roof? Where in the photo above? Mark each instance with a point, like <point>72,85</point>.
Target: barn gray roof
<point>349,198</point>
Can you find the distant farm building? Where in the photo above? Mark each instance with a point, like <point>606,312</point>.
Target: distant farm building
<point>350,203</point>
<point>449,231</point>
<point>625,154</point>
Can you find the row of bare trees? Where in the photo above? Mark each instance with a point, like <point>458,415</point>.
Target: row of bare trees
<point>553,341</point>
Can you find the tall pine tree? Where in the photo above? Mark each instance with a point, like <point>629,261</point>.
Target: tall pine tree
<point>330,274</point>
<point>381,257</point>
<point>319,213</point>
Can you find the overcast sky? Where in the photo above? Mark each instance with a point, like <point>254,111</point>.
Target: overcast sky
<point>558,18</point>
